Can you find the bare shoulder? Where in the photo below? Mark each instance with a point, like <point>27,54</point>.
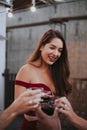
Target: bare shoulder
<point>24,72</point>
<point>24,68</point>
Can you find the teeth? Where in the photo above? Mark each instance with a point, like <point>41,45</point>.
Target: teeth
<point>52,59</point>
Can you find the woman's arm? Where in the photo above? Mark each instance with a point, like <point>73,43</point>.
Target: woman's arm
<point>22,75</point>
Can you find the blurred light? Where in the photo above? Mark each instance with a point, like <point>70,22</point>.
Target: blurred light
<point>33,8</point>
<point>10,14</point>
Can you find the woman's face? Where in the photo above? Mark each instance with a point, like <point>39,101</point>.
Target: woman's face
<point>52,51</point>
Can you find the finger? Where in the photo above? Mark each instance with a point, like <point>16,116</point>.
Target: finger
<point>62,106</point>
<point>63,100</point>
<point>61,110</point>
<point>48,94</point>
<point>33,92</point>
<point>30,92</point>
<point>33,107</point>
<point>26,93</point>
<point>41,114</point>
<point>55,114</point>
<point>35,98</point>
<point>34,101</point>
<point>38,95</point>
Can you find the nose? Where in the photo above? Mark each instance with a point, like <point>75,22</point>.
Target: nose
<point>56,53</point>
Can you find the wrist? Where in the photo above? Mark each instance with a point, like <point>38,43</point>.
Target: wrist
<point>6,117</point>
<point>11,111</point>
<point>75,119</point>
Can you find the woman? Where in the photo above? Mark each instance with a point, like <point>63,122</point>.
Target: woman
<point>47,68</point>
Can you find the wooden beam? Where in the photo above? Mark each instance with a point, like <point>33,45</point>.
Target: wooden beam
<point>60,20</point>
<point>27,25</point>
<point>5,4</point>
<point>66,19</point>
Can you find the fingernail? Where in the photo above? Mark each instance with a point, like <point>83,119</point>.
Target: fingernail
<point>36,105</point>
<point>30,102</point>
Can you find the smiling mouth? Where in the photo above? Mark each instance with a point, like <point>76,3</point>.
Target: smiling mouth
<point>52,59</point>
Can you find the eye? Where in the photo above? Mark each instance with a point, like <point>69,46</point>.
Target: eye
<point>60,50</point>
<point>52,48</point>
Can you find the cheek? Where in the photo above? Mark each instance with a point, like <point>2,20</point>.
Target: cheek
<point>58,57</point>
<point>44,54</point>
<point>59,54</point>
<point>45,51</point>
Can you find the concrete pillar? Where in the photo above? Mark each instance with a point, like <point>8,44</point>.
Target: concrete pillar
<point>2,51</point>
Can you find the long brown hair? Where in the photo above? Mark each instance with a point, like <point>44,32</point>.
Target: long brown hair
<point>60,69</point>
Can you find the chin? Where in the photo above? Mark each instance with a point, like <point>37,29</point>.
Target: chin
<point>51,63</point>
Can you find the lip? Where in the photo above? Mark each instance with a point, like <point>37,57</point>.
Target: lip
<point>52,58</point>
